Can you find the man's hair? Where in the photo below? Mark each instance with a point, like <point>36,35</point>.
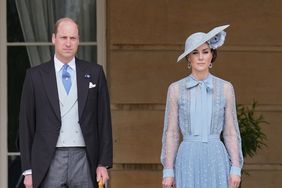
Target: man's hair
<point>59,21</point>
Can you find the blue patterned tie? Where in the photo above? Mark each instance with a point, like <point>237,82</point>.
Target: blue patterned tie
<point>66,78</point>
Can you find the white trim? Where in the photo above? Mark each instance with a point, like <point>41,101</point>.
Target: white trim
<point>101,33</point>
<point>3,96</point>
<point>14,154</point>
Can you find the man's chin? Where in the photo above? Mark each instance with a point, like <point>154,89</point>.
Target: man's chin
<point>68,54</point>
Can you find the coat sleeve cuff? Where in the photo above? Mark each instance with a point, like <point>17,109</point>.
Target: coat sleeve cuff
<point>168,173</point>
<point>235,170</point>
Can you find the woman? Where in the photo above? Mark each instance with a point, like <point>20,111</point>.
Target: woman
<point>201,107</point>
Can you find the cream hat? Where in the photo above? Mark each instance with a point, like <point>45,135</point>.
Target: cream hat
<point>215,38</point>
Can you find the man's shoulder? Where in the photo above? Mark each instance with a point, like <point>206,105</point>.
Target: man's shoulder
<point>88,65</point>
<point>41,66</point>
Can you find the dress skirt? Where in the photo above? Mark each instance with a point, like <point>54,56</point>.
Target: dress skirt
<point>202,165</point>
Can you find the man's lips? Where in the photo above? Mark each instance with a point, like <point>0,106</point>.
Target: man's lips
<point>67,50</point>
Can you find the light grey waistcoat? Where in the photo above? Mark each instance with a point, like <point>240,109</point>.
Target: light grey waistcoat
<point>70,133</point>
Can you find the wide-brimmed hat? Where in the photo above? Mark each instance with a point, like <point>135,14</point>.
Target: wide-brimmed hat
<point>215,38</point>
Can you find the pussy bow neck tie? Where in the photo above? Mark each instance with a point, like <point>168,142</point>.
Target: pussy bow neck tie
<point>206,83</point>
<point>200,109</point>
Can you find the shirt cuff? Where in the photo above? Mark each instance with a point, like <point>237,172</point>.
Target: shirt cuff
<point>27,172</point>
<point>235,170</point>
<point>168,173</point>
<point>107,167</point>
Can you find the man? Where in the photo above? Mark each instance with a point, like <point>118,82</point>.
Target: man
<point>65,121</point>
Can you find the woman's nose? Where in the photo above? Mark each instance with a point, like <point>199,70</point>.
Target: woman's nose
<point>200,56</point>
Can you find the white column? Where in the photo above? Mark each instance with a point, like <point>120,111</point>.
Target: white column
<point>3,96</point>
<point>101,39</point>
<point>101,33</point>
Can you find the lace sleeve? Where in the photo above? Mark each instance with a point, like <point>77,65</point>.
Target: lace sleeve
<point>170,139</point>
<point>231,133</point>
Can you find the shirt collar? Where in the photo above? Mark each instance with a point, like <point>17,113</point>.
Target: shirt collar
<point>59,64</point>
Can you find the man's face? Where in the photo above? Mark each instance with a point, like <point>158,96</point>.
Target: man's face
<point>66,41</point>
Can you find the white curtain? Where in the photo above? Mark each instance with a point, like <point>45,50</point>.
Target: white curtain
<point>38,17</point>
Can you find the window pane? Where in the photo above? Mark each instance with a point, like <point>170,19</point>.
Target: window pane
<point>14,30</point>
<point>37,25</point>
<point>14,170</point>
<point>88,53</point>
<point>17,64</point>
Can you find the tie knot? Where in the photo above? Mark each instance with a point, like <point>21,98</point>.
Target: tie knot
<point>65,67</point>
<point>65,74</point>
<point>203,84</point>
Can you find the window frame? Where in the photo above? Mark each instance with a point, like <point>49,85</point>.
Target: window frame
<point>3,97</point>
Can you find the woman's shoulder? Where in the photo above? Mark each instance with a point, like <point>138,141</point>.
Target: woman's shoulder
<point>222,81</point>
<point>178,83</point>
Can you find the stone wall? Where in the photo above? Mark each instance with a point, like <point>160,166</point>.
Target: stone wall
<point>144,39</point>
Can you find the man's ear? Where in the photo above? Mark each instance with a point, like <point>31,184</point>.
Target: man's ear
<point>53,38</point>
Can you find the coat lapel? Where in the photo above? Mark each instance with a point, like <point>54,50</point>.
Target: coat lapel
<point>50,85</point>
<point>82,85</point>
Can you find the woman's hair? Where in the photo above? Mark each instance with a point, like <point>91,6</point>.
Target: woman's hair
<point>214,55</point>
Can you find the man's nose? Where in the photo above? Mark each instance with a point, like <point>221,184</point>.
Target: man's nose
<point>68,42</point>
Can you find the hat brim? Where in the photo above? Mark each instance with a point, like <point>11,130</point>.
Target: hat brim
<point>208,36</point>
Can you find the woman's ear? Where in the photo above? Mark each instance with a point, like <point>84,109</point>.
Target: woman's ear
<point>187,58</point>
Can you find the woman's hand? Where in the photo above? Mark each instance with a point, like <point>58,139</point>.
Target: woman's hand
<point>234,181</point>
<point>168,182</point>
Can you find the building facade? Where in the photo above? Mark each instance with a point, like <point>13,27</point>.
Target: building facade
<point>137,43</point>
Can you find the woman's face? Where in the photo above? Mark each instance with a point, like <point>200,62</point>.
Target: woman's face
<point>200,58</point>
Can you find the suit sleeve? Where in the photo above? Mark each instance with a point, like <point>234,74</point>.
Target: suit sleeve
<point>104,123</point>
<point>26,122</point>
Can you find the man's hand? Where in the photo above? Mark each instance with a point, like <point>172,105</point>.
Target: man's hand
<point>28,181</point>
<point>102,173</point>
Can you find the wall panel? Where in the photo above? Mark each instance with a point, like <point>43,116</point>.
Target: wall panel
<point>169,22</point>
<point>144,40</point>
<point>143,76</point>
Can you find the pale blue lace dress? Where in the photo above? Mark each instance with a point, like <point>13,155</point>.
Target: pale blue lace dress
<point>197,112</point>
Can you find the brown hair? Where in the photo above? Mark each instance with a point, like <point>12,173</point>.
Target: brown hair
<point>214,55</point>
<point>59,21</point>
